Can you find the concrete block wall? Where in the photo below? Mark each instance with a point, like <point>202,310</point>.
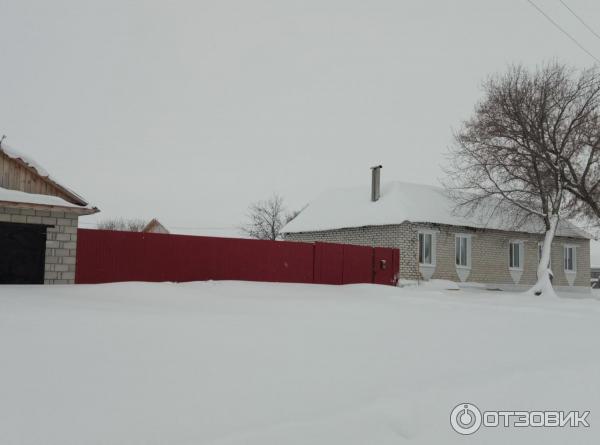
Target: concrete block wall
<point>489,250</point>
<point>61,240</point>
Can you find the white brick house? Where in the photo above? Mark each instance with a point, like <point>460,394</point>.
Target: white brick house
<point>38,223</point>
<point>434,242</point>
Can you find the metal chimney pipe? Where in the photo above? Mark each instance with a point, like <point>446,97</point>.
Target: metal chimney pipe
<point>375,182</point>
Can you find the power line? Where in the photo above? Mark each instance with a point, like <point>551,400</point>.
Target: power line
<point>580,19</point>
<point>573,39</point>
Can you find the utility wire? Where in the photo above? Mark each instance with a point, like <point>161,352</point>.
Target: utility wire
<point>573,39</point>
<point>581,20</point>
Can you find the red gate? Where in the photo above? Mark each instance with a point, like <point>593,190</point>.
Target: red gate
<point>386,264</point>
<point>343,264</point>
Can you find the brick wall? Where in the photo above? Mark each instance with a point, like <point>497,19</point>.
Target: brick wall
<point>399,236</point>
<point>489,250</point>
<point>61,240</point>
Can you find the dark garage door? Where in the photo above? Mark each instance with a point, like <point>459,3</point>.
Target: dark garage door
<point>22,253</point>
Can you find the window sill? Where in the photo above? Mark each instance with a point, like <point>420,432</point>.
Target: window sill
<point>571,272</point>
<point>426,264</point>
<point>463,267</point>
<point>516,269</point>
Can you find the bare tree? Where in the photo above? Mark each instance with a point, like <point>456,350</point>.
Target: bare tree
<point>123,224</point>
<point>267,218</point>
<point>582,161</point>
<point>510,159</point>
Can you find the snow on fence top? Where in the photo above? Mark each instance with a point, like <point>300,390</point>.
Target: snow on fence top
<point>400,202</point>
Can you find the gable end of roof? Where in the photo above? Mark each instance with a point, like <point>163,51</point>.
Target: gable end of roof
<point>35,169</point>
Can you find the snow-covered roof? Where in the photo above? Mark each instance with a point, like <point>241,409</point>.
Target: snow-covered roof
<point>17,197</point>
<point>400,202</point>
<point>41,171</point>
<point>154,225</point>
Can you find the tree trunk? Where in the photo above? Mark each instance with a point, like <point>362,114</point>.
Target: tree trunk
<point>544,283</point>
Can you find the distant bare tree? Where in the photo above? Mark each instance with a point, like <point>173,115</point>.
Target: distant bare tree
<point>122,224</point>
<point>267,218</point>
<point>513,156</point>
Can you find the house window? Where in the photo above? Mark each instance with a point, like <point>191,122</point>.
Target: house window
<point>462,251</point>
<point>515,255</point>
<point>569,258</point>
<point>425,248</point>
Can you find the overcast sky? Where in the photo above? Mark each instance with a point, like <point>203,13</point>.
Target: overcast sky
<point>188,111</point>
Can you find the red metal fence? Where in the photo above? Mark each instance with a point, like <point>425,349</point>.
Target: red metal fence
<point>108,256</point>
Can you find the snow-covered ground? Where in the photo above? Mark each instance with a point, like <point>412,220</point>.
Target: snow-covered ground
<point>255,363</point>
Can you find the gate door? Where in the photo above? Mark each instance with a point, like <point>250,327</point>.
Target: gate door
<point>386,264</point>
<point>22,253</point>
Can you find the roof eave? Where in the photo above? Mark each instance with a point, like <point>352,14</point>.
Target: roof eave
<point>27,205</point>
<point>581,234</point>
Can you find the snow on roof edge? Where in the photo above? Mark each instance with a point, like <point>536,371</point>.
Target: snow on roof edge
<point>581,233</point>
<point>15,154</point>
<point>19,197</point>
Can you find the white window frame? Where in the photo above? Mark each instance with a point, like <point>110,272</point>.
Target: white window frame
<point>468,237</point>
<point>433,234</point>
<point>521,245</point>
<point>574,258</point>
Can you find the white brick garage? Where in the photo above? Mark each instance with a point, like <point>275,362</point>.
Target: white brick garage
<point>38,223</point>
<point>60,243</point>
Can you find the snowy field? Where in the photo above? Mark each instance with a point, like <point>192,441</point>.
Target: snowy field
<point>254,363</point>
